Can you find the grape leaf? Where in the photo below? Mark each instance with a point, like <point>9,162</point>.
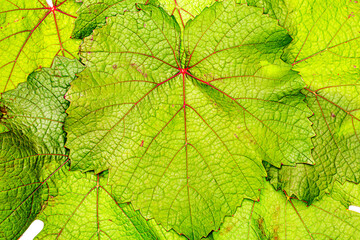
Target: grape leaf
<point>81,206</point>
<point>184,133</point>
<point>278,216</point>
<point>329,65</point>
<point>34,142</point>
<point>92,14</point>
<point>32,34</point>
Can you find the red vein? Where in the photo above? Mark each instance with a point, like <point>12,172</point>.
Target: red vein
<point>58,34</point>
<point>336,217</point>
<point>146,55</point>
<point>72,214</point>
<point>202,35</point>
<point>249,223</point>
<point>208,166</point>
<point>162,175</point>
<point>307,36</point>
<point>225,49</point>
<point>187,12</point>
<point>227,95</point>
<point>315,54</point>
<point>227,149</point>
<point>69,53</point>
<point>186,149</point>
<point>60,3</point>
<point>13,3</point>
<point>14,34</point>
<point>222,78</point>
<point>182,21</point>
<point>188,189</point>
<point>14,115</point>
<point>67,14</point>
<point>25,185</point>
<point>177,63</point>
<point>301,219</point>
<point>41,3</point>
<point>121,209</point>
<point>327,124</point>
<point>23,9</point>
<point>22,47</point>
<point>316,94</point>
<point>137,165</point>
<point>334,86</point>
<point>347,18</point>
<point>97,206</point>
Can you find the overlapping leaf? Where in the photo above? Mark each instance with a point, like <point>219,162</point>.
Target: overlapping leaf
<point>277,216</point>
<point>31,35</point>
<point>81,206</point>
<point>326,53</point>
<point>92,14</point>
<point>184,133</point>
<point>34,143</point>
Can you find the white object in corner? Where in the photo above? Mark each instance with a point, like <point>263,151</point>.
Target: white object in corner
<point>50,3</point>
<point>34,228</point>
<point>354,208</point>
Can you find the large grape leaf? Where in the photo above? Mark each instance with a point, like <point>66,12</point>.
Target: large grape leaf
<point>33,113</point>
<point>31,34</point>
<point>278,216</point>
<point>81,206</point>
<point>326,53</point>
<point>184,133</point>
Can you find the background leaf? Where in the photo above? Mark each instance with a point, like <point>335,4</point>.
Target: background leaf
<point>277,216</point>
<point>81,206</point>
<point>326,53</point>
<point>34,144</point>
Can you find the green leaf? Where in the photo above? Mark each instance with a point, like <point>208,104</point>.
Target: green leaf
<point>92,14</point>
<point>35,112</point>
<point>326,51</point>
<point>184,133</point>
<point>31,35</point>
<point>277,216</point>
<point>81,206</point>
